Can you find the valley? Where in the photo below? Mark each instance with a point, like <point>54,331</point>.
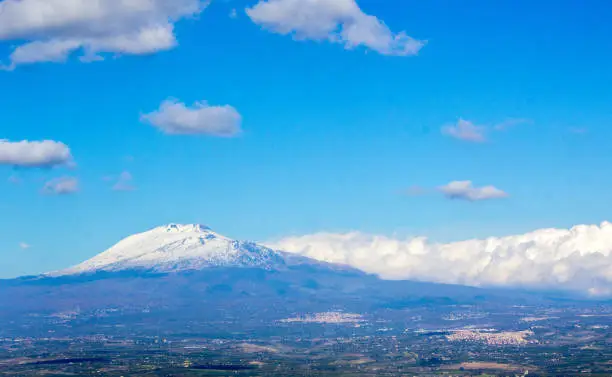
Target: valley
<point>412,341</point>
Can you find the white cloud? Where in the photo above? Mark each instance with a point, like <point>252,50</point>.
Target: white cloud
<point>174,117</point>
<point>511,122</point>
<point>576,259</point>
<point>61,186</point>
<point>51,30</point>
<point>338,21</point>
<point>24,245</point>
<point>464,190</point>
<point>465,130</point>
<point>415,190</point>
<point>578,130</point>
<point>15,180</point>
<point>46,153</point>
<point>124,182</point>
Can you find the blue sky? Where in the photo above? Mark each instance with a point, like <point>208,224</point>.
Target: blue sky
<point>332,138</point>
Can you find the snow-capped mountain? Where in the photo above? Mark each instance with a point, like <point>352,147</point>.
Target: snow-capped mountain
<point>176,247</point>
<point>186,270</point>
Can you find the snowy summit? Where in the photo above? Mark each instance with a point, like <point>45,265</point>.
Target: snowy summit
<point>176,247</point>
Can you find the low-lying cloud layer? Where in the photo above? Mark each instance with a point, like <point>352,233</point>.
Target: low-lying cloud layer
<point>576,259</point>
<point>338,21</point>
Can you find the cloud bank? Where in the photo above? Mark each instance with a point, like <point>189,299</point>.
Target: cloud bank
<point>174,117</point>
<point>52,30</point>
<point>577,259</point>
<point>34,154</point>
<point>338,21</point>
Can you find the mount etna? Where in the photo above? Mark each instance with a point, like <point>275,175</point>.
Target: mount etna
<point>188,269</point>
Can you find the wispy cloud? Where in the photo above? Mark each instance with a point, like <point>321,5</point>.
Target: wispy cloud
<point>511,122</point>
<point>337,21</point>
<point>578,130</point>
<point>61,186</point>
<point>465,190</point>
<point>24,246</point>
<point>469,131</point>
<point>466,131</point>
<point>415,190</point>
<point>174,117</point>
<point>124,182</point>
<point>15,180</point>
